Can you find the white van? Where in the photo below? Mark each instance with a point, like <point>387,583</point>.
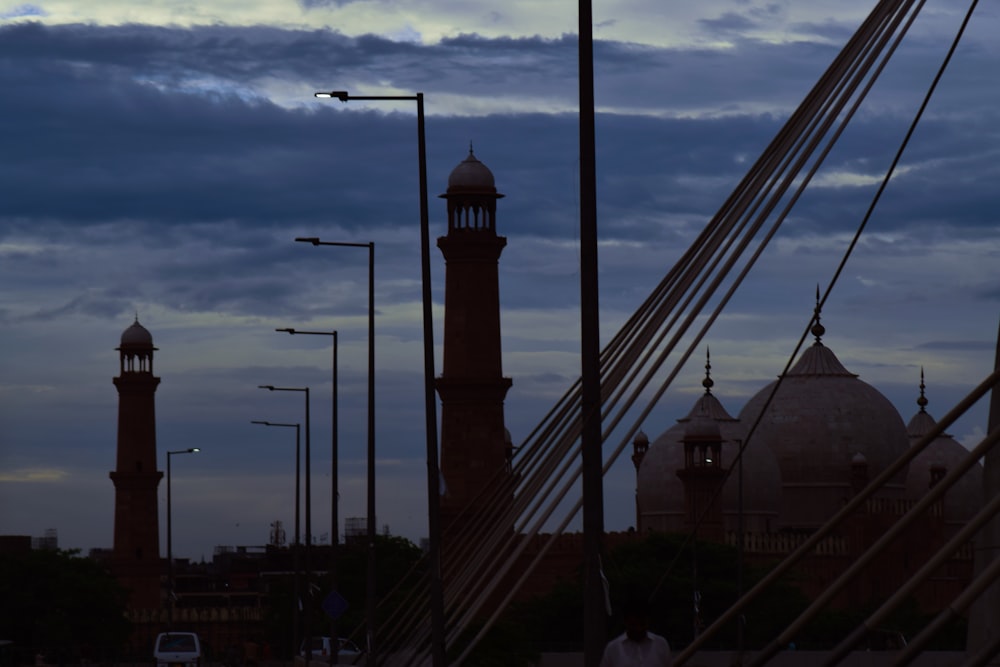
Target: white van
<point>321,649</point>
<point>177,649</point>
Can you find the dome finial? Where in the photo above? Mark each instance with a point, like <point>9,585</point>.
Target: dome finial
<point>817,329</point>
<point>708,383</point>
<point>470,146</point>
<point>922,401</point>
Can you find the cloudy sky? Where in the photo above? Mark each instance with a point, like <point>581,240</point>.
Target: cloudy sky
<point>158,159</point>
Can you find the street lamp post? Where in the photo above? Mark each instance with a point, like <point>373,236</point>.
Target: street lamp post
<point>334,483</point>
<point>370,593</point>
<point>295,543</point>
<point>297,468</point>
<point>430,405</point>
<point>170,540</point>
<point>308,550</point>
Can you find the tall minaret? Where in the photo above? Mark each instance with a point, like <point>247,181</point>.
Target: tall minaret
<point>136,555</point>
<point>475,454</point>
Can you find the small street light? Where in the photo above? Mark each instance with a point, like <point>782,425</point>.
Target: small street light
<point>308,566</point>
<point>370,594</point>
<point>170,543</point>
<point>334,473</point>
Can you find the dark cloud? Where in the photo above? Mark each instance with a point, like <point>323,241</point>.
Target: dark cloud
<point>730,22</point>
<point>211,176</point>
<point>167,169</point>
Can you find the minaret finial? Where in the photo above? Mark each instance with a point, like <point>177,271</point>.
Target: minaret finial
<point>922,401</point>
<point>708,383</point>
<point>817,329</point>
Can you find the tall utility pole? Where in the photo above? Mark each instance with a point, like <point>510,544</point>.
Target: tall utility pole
<point>590,351</point>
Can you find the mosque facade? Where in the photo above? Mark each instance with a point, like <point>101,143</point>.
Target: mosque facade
<point>810,444</point>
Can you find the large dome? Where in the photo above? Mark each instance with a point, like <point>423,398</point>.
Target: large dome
<point>821,417</point>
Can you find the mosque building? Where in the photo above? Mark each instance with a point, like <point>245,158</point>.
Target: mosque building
<point>812,442</point>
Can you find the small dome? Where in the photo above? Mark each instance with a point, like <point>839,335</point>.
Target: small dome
<point>471,175</point>
<point>137,335</point>
<point>702,429</point>
<point>943,454</point>
<point>920,425</point>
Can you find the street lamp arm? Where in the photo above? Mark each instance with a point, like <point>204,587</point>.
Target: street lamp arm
<point>271,387</point>
<point>310,333</point>
<point>344,96</point>
<point>315,241</point>
<point>265,423</point>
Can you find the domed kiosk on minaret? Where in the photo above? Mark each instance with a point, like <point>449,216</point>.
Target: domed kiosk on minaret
<point>136,348</point>
<point>472,196</point>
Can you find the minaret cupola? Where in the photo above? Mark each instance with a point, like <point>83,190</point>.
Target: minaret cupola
<point>136,349</point>
<point>472,197</point>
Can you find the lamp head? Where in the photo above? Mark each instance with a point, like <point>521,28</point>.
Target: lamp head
<point>341,95</point>
<point>287,330</point>
<point>269,387</point>
<point>254,421</point>
<point>308,239</point>
<point>193,450</point>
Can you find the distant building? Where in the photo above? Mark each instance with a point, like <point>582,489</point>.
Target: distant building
<point>49,540</point>
<point>15,544</point>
